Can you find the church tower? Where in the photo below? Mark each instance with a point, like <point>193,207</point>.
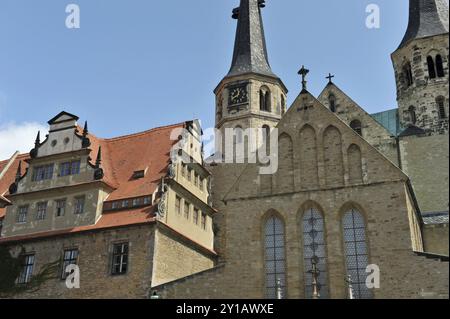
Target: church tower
<point>250,95</point>
<point>421,68</point>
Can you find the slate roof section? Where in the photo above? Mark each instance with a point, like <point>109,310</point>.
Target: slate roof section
<point>436,218</point>
<point>250,50</point>
<point>426,18</point>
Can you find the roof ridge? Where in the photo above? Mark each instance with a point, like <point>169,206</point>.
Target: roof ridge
<point>142,132</point>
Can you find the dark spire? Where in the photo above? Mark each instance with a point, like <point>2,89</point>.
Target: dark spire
<point>19,172</point>
<point>37,142</point>
<point>98,173</point>
<point>98,161</point>
<point>85,141</point>
<point>426,18</point>
<point>85,130</point>
<point>250,51</point>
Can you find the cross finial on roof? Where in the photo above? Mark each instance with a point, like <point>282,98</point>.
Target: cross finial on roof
<point>303,72</point>
<point>330,78</point>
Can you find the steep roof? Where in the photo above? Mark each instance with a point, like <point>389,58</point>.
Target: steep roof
<point>426,18</point>
<point>121,157</point>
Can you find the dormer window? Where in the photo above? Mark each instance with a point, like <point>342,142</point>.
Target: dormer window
<point>139,173</point>
<point>115,205</point>
<point>125,203</point>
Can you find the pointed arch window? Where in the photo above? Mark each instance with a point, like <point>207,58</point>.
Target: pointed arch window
<point>431,67</point>
<point>356,255</point>
<point>412,114</point>
<point>440,102</point>
<point>407,73</point>
<point>314,246</point>
<point>332,101</point>
<point>265,99</point>
<point>275,258</point>
<point>439,66</point>
<point>356,126</point>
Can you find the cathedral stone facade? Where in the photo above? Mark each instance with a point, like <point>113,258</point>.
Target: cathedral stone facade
<point>354,195</point>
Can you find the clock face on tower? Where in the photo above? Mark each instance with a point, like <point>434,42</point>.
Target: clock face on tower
<point>238,95</point>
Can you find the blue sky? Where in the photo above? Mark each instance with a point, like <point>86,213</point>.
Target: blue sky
<point>137,64</point>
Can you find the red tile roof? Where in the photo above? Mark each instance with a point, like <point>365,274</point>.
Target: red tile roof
<point>121,156</point>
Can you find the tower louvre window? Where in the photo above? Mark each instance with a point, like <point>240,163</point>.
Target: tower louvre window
<point>412,114</point>
<point>265,99</point>
<point>431,67</point>
<point>440,101</point>
<point>332,101</point>
<point>356,126</point>
<point>408,76</point>
<point>439,66</point>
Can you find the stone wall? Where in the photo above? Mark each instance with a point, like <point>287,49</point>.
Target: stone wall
<point>436,239</point>
<point>426,161</point>
<point>95,253</point>
<point>176,259</point>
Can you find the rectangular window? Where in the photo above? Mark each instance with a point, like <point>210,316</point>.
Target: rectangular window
<point>70,258</point>
<point>115,205</point>
<point>120,259</point>
<point>125,204</point>
<point>147,200</point>
<point>42,173</point>
<point>196,215</point>
<point>22,214</point>
<point>204,221</point>
<point>189,174</point>
<point>186,209</point>
<point>41,211</point>
<point>183,170</point>
<point>27,269</point>
<point>60,207</point>
<point>178,205</point>
<point>79,205</point>
<point>69,168</point>
<point>136,202</point>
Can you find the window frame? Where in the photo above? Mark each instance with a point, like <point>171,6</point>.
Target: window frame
<point>41,210</point>
<point>43,172</point>
<point>66,262</point>
<point>121,263</point>
<point>76,210</point>
<point>26,274</point>
<point>20,213</point>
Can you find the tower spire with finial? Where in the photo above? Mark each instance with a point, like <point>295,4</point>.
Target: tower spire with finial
<point>250,50</point>
<point>98,173</point>
<point>426,18</point>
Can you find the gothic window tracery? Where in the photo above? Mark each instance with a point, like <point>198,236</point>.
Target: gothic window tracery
<point>275,258</point>
<point>356,253</point>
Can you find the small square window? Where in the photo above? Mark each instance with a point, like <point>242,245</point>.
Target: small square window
<point>147,200</point>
